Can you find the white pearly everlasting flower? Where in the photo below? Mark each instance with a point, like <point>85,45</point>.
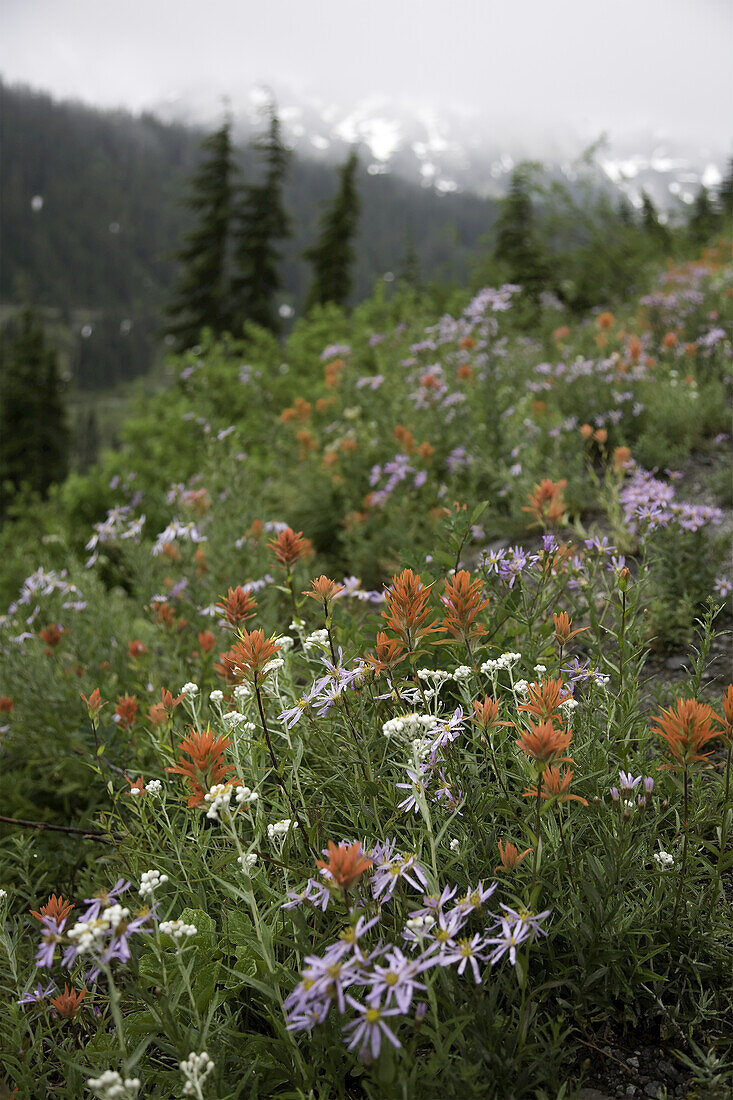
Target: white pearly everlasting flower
<point>664,860</point>
<point>218,798</point>
<point>177,929</point>
<point>111,1086</point>
<point>244,794</point>
<point>216,696</point>
<point>317,640</point>
<point>195,1069</point>
<point>407,725</point>
<point>154,786</point>
<point>462,673</point>
<point>190,690</point>
<point>150,881</point>
<point>281,828</point>
<point>242,692</point>
<point>247,861</point>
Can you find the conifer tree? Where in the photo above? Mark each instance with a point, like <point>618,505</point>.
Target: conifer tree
<point>261,222</point>
<point>703,220</point>
<point>201,297</point>
<point>333,253</point>
<point>33,433</point>
<point>517,243</point>
<point>653,227</point>
<point>725,197</point>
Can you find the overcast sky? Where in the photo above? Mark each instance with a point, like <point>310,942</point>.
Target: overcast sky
<point>586,64</point>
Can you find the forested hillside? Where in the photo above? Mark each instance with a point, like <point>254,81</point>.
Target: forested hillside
<point>92,212</point>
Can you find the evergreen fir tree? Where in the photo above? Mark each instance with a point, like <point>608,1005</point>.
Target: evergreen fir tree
<point>201,297</point>
<point>657,233</point>
<point>725,197</point>
<point>261,222</point>
<point>333,253</point>
<point>517,244</point>
<point>703,220</point>
<point>33,434</point>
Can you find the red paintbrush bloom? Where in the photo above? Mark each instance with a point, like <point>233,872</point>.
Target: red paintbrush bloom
<point>325,591</point>
<point>169,701</point>
<point>546,503</point>
<point>206,640</point>
<point>407,610</point>
<point>687,727</point>
<point>125,711</point>
<point>55,907</point>
<point>51,635</point>
<point>345,864</point>
<point>556,785</point>
<point>289,547</point>
<point>68,1003</point>
<point>237,606</point>
<point>206,765</point>
<point>510,857</point>
<point>545,700</point>
<point>7,704</point>
<point>136,649</point>
<point>388,652</point>
<point>486,714</point>
<point>563,633</point>
<point>727,719</point>
<point>546,743</point>
<point>226,667</point>
<point>463,601</point>
<point>251,655</point>
<point>137,786</point>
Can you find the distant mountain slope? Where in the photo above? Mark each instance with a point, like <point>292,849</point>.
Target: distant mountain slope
<point>91,210</point>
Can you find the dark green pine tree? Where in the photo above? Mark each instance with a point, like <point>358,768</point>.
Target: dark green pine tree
<point>261,221</point>
<point>725,197</point>
<point>703,222</point>
<point>201,296</point>
<point>517,244</point>
<point>332,255</point>
<point>657,233</point>
<point>34,438</point>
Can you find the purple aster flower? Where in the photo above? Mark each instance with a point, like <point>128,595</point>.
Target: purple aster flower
<point>33,996</point>
<point>467,950</point>
<point>474,899</point>
<point>367,1031</point>
<point>397,981</point>
<point>417,786</point>
<point>330,976</point>
<point>51,935</point>
<point>511,936</point>
<point>627,782</point>
<point>526,918</point>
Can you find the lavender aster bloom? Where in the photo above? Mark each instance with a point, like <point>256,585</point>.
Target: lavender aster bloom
<point>368,1030</point>
<point>33,996</point>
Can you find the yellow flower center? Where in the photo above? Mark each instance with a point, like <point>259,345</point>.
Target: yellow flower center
<point>372,1015</point>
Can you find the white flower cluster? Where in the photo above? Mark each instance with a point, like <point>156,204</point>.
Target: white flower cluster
<point>177,929</point>
<point>150,882</point>
<point>274,665</point>
<point>438,676</point>
<point>420,924</point>
<point>247,861</point>
<point>218,797</point>
<point>540,668</point>
<point>285,642</point>
<point>664,860</point>
<point>317,640</point>
<point>190,690</point>
<point>87,935</point>
<point>3,894</point>
<point>242,692</point>
<point>234,720</point>
<point>110,1085</point>
<point>244,794</point>
<point>407,725</point>
<point>454,844</point>
<point>216,696</point>
<point>154,786</point>
<point>507,660</point>
<point>569,705</point>
<point>281,828</point>
<point>462,673</point>
<point>196,1068</point>
<point>522,688</point>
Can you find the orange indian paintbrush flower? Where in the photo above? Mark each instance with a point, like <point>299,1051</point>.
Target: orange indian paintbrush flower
<point>388,652</point>
<point>237,606</point>
<point>289,547</point>
<point>324,590</point>
<point>251,654</point>
<point>68,1003</point>
<point>345,864</point>
<point>510,857</point>
<point>55,907</point>
<point>687,727</point>
<point>546,503</point>
<point>546,743</point>
<point>407,610</point>
<point>556,785</point>
<point>486,714</point>
<point>563,633</point>
<point>545,700</point>
<point>206,766</point>
<point>463,601</point>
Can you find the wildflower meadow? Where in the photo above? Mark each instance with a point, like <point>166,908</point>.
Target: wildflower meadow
<point>366,717</point>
